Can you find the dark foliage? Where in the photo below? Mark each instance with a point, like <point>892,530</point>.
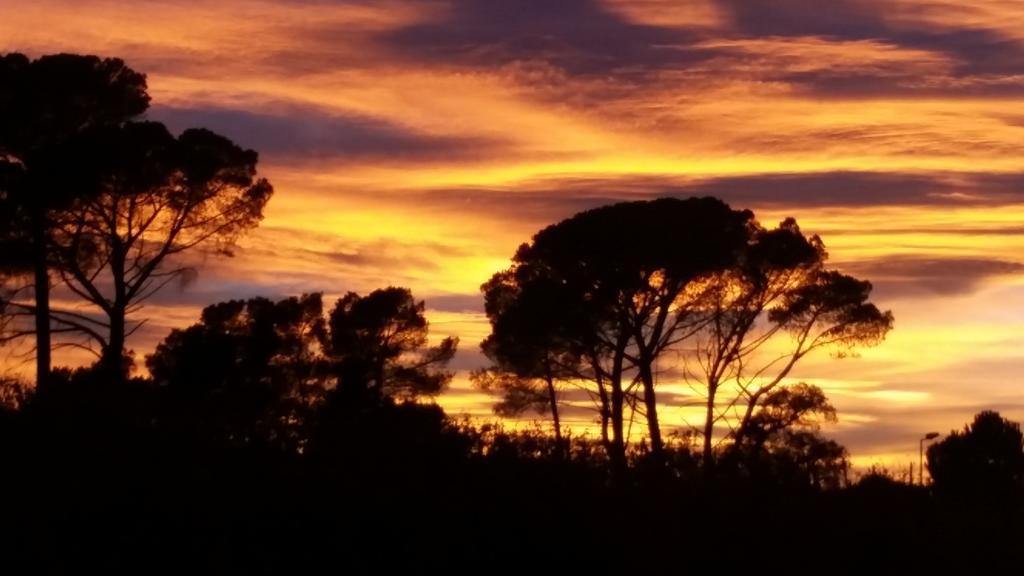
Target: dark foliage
<point>245,375</point>
<point>102,202</point>
<point>597,299</point>
<point>379,342</point>
<point>983,461</point>
<point>781,441</point>
<point>156,196</point>
<point>45,106</point>
<point>97,479</point>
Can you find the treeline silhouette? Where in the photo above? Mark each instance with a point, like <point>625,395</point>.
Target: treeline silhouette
<point>279,436</point>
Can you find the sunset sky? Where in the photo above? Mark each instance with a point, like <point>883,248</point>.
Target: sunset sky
<point>417,143</point>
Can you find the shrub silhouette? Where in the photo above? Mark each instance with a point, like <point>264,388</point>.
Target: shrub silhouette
<point>983,461</point>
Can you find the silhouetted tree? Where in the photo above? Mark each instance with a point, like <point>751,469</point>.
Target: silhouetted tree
<point>782,439</point>
<point>776,306</point>
<point>246,374</point>
<point>12,249</point>
<point>531,346</point>
<point>14,261</point>
<point>44,104</point>
<point>10,268</point>
<point>797,406</point>
<point>984,460</point>
<point>626,269</point>
<point>379,341</point>
<point>157,197</point>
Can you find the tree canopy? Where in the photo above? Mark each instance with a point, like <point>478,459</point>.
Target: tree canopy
<point>258,368</point>
<point>984,460</point>
<point>157,196</point>
<point>761,317</point>
<point>45,104</point>
<point>246,373</point>
<point>103,201</point>
<point>380,341</point>
<point>599,298</point>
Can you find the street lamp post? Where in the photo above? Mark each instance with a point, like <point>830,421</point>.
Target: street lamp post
<point>920,465</point>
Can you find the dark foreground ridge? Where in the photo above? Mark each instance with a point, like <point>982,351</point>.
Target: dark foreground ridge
<point>109,478</point>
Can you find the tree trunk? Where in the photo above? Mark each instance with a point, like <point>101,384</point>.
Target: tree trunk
<point>618,444</point>
<point>741,430</point>
<point>651,405</point>
<point>41,287</point>
<point>556,422</point>
<point>112,363</point>
<point>748,414</point>
<point>602,394</point>
<point>709,428</point>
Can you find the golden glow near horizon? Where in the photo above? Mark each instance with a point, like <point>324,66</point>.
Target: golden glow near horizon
<point>417,143</point>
